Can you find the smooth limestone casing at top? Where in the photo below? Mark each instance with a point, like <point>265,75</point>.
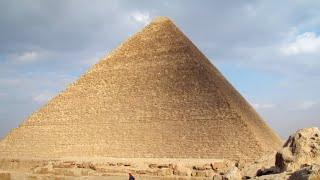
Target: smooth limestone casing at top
<point>155,96</point>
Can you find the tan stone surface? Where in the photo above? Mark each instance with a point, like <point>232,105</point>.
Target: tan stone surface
<point>299,159</point>
<point>303,165</point>
<point>301,149</point>
<point>155,96</point>
<point>106,167</point>
<point>5,175</point>
<point>311,172</point>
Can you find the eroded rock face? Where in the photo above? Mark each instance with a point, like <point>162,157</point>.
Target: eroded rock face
<point>300,150</point>
<point>233,174</point>
<point>299,159</point>
<point>307,173</point>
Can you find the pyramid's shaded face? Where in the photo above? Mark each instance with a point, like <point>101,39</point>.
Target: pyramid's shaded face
<point>156,95</point>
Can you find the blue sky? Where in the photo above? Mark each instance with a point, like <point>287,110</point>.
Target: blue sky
<point>269,50</point>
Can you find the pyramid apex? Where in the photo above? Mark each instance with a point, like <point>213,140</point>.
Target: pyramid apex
<point>160,19</point>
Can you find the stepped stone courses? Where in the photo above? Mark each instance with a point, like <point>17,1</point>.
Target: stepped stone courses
<point>155,96</point>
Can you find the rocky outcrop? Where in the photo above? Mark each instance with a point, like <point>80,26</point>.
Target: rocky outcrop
<point>311,172</point>
<point>300,150</point>
<point>299,159</point>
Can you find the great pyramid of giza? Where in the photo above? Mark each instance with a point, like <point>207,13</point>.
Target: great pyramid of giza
<point>155,96</point>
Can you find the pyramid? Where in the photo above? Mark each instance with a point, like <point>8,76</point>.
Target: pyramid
<point>155,96</point>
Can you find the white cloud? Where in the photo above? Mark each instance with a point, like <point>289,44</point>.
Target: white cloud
<point>263,106</point>
<point>306,43</point>
<point>27,57</point>
<point>141,17</point>
<point>307,105</point>
<point>43,97</point>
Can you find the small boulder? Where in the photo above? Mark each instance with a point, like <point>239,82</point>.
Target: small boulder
<point>180,170</point>
<point>45,169</point>
<point>267,171</point>
<point>217,177</point>
<point>233,174</point>
<point>202,167</point>
<point>165,172</point>
<point>223,166</point>
<point>203,173</point>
